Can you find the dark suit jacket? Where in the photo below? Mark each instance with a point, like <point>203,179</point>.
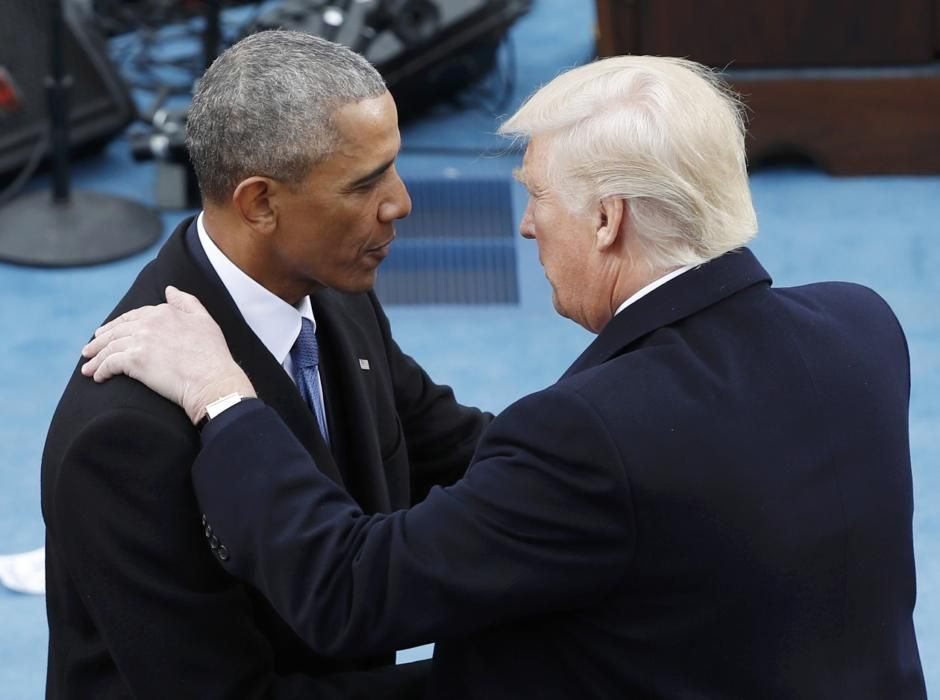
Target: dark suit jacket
<point>137,605</point>
<point>713,502</point>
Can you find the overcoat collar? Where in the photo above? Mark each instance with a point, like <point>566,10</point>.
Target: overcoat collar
<point>683,296</point>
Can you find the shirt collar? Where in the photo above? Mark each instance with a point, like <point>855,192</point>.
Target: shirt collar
<point>273,320</point>
<point>659,282</point>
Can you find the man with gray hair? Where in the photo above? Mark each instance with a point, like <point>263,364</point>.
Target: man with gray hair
<point>294,141</point>
<point>714,501</point>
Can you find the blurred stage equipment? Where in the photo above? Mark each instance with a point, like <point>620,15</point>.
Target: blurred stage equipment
<point>164,142</point>
<point>100,106</point>
<point>853,85</point>
<point>427,50</point>
<point>65,229</point>
<point>124,16</point>
<point>115,17</point>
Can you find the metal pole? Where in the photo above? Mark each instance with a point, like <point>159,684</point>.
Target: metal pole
<point>57,87</point>
<point>213,35</point>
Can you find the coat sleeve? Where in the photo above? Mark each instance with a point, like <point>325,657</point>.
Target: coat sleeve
<point>130,534</point>
<point>441,434</point>
<point>542,521</point>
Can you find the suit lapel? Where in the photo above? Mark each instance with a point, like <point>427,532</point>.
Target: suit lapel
<point>687,294</point>
<point>178,264</point>
<point>349,404</point>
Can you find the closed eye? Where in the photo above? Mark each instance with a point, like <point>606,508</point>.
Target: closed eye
<point>367,182</point>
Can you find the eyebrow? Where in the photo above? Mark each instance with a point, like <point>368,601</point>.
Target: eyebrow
<point>532,187</point>
<point>365,179</point>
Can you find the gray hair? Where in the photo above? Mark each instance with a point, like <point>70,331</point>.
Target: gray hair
<point>265,106</point>
<point>665,134</point>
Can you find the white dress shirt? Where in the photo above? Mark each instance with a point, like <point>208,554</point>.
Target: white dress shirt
<point>659,282</point>
<point>273,320</point>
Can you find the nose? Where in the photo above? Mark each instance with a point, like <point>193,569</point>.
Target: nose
<point>527,225</point>
<point>397,205</point>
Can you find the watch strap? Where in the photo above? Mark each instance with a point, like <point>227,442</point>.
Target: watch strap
<point>216,407</point>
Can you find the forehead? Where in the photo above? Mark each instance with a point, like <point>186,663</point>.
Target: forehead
<point>373,113</point>
<point>534,163</point>
<point>368,130</point>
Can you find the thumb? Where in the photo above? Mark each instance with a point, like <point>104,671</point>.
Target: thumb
<point>183,301</point>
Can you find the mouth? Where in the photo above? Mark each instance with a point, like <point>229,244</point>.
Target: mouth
<point>381,250</point>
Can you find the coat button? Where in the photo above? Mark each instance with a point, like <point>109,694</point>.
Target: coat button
<point>205,520</point>
<point>208,531</point>
<point>222,552</point>
<point>213,542</point>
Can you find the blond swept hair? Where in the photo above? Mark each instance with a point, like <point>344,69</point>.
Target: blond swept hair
<point>665,134</point>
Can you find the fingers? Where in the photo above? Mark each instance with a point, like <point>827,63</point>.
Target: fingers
<point>159,346</point>
<point>183,301</point>
<point>106,335</point>
<point>117,357</point>
<point>126,317</point>
<point>129,323</point>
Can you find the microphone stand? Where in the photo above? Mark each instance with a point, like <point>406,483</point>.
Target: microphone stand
<point>69,229</point>
<point>213,34</point>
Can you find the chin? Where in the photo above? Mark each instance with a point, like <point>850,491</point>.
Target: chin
<point>359,285</point>
<point>565,312</point>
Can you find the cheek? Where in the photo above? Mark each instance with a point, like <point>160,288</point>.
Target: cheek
<point>540,216</point>
<point>348,236</point>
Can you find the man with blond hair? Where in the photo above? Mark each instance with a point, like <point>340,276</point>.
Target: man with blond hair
<point>714,501</point>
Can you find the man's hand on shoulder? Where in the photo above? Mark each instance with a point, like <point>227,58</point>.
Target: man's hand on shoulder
<point>176,349</point>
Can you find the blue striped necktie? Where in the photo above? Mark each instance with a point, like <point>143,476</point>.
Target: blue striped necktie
<point>306,357</point>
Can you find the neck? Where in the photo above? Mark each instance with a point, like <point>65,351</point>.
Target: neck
<point>630,276</point>
<point>229,234</point>
<point>247,249</point>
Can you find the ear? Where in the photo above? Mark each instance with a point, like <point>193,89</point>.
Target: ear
<point>254,200</point>
<point>612,214</point>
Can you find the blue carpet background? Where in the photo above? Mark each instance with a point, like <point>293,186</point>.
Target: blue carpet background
<point>879,231</point>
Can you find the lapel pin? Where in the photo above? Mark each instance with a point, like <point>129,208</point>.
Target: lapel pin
<point>363,364</point>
